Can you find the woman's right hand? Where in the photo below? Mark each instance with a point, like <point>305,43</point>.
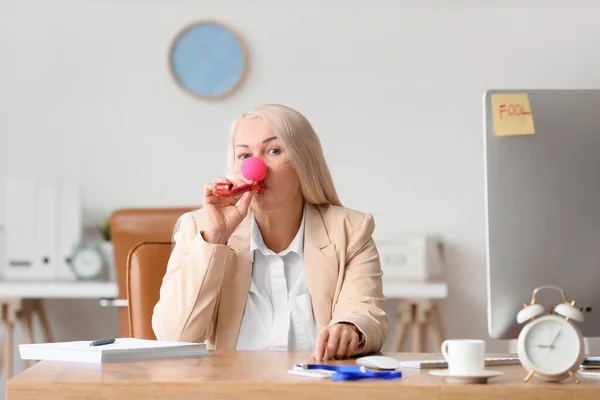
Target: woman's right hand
<point>224,214</point>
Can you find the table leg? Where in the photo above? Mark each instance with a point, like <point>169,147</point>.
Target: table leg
<point>417,337</point>
<point>38,307</point>
<point>436,328</point>
<point>420,322</point>
<point>8,320</point>
<point>2,306</point>
<point>404,320</point>
<point>25,318</point>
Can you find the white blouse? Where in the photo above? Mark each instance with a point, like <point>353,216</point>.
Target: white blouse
<point>278,313</point>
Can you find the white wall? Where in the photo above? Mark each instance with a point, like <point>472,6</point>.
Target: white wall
<point>393,88</point>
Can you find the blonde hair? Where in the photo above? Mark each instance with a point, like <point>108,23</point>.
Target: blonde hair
<point>303,147</point>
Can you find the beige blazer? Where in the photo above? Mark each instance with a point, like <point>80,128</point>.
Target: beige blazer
<point>203,293</point>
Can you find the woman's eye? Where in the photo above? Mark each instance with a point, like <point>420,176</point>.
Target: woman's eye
<point>274,151</point>
<point>243,156</point>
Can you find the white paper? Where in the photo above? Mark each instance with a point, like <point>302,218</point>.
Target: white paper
<point>123,349</point>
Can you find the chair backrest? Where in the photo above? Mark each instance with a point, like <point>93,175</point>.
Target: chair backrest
<point>146,266</point>
<point>130,226</point>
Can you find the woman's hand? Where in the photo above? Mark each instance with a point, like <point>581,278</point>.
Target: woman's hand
<point>336,341</point>
<point>223,214</point>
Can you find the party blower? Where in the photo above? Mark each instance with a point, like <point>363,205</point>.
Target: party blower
<point>253,169</point>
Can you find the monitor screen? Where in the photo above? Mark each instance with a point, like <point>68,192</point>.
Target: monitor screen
<point>542,194</point>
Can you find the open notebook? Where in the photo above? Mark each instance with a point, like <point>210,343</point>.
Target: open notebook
<point>122,350</point>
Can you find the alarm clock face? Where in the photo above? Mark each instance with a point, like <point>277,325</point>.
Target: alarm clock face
<point>87,263</point>
<point>551,345</point>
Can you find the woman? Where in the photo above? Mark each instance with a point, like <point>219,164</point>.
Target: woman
<point>285,268</point>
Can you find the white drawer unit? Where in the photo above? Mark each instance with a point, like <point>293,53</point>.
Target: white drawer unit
<point>411,258</point>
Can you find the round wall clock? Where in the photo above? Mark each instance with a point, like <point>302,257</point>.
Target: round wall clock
<point>207,60</point>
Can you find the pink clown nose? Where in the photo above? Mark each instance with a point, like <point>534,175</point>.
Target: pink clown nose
<point>254,169</point>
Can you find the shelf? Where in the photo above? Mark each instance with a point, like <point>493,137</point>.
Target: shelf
<point>414,290</point>
<point>110,290</point>
<point>58,290</point>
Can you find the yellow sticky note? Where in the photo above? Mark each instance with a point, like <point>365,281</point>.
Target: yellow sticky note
<point>511,114</point>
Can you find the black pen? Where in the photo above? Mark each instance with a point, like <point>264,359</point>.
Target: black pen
<point>101,342</point>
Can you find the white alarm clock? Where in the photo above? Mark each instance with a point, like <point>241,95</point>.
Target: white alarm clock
<point>550,347</point>
<point>87,262</point>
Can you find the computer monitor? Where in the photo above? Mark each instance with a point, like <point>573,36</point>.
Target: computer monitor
<point>542,194</point>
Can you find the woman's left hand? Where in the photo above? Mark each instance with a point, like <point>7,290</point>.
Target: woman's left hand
<point>336,341</point>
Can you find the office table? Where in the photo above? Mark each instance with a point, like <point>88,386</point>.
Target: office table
<point>247,375</point>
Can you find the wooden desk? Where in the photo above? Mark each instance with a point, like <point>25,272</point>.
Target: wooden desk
<point>248,375</point>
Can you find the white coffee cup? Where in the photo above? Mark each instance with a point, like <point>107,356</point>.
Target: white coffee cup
<point>464,356</point>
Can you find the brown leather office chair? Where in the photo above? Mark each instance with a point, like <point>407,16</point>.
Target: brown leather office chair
<point>146,266</point>
<point>131,226</point>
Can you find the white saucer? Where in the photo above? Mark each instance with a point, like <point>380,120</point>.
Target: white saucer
<point>481,377</point>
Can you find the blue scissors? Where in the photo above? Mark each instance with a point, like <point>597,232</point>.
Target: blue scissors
<point>351,372</point>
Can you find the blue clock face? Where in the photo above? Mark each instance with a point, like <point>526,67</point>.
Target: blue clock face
<point>207,60</point>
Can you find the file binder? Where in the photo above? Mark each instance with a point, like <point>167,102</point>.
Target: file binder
<point>46,231</point>
<point>19,230</point>
<point>69,230</point>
